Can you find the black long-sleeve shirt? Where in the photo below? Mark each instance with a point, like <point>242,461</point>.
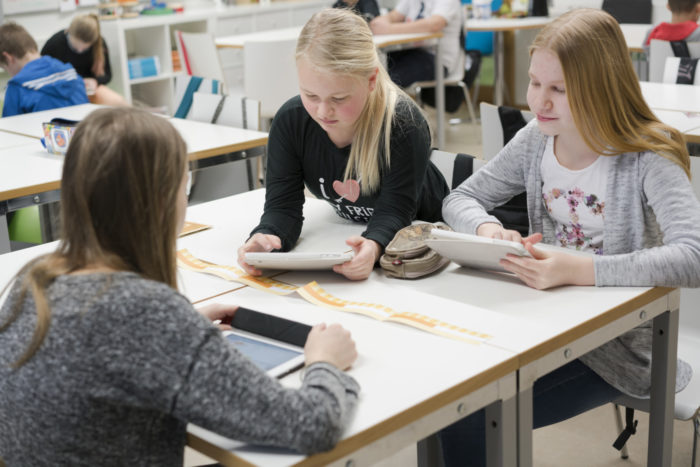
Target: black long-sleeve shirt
<point>301,153</point>
<point>57,47</point>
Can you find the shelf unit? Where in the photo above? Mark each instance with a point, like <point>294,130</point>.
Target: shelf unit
<point>154,36</point>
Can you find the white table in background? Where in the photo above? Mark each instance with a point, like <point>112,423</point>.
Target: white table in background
<point>31,176</point>
<point>385,42</point>
<point>635,35</point>
<point>499,26</point>
<point>671,96</point>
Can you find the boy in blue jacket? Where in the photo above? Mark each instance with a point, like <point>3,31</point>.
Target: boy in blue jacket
<point>37,83</point>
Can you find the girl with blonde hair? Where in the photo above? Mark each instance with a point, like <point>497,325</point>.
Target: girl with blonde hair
<point>102,361</point>
<point>352,138</point>
<point>602,175</point>
<point>82,46</point>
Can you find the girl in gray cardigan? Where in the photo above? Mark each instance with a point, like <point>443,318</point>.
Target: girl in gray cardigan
<point>602,174</point>
<point>103,362</point>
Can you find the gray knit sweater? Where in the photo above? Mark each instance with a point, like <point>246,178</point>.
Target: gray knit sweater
<point>127,362</point>
<point>651,236</point>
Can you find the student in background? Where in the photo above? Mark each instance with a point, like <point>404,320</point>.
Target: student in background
<point>37,83</point>
<point>409,66</point>
<point>683,25</point>
<point>368,9</point>
<point>103,362</point>
<point>82,46</point>
<point>602,175</point>
<point>352,138</point>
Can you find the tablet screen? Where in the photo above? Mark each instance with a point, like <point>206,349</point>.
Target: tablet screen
<point>276,359</point>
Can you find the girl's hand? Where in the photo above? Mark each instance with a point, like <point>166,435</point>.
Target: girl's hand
<point>331,344</point>
<point>219,311</point>
<point>492,230</point>
<point>550,269</point>
<point>258,242</point>
<point>367,253</point>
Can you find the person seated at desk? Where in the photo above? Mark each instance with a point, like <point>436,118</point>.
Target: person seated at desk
<point>368,9</point>
<point>103,362</point>
<point>37,83</point>
<point>603,175</point>
<point>683,25</point>
<point>354,139</point>
<point>429,16</point>
<point>82,46</point>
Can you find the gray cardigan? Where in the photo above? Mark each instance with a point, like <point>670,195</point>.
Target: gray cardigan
<point>127,362</point>
<point>643,190</point>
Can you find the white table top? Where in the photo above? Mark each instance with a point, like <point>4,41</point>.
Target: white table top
<point>506,24</point>
<point>634,35</point>
<point>29,169</point>
<point>30,124</point>
<point>402,371</point>
<point>669,96</point>
<point>11,140</point>
<point>380,40</point>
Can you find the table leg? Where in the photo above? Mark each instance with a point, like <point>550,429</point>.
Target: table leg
<point>524,421</point>
<point>440,96</point>
<point>429,453</point>
<point>498,78</point>
<point>4,235</point>
<point>501,433</point>
<point>663,386</point>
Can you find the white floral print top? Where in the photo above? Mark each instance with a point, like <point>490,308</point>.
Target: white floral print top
<point>575,200</point>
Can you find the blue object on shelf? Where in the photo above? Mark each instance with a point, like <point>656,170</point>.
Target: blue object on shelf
<point>141,67</point>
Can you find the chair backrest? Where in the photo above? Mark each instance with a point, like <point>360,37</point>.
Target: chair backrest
<point>185,88</point>
<point>681,70</point>
<point>270,73</point>
<point>492,130</point>
<point>659,51</point>
<point>235,111</point>
<point>452,165</point>
<point>198,55</point>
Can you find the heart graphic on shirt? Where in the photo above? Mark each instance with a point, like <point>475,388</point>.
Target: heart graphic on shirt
<point>349,189</point>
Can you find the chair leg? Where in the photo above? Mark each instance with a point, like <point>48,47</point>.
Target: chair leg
<point>696,434</point>
<point>624,454</point>
<point>470,106</point>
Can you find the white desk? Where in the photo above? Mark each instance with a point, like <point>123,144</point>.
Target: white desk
<point>669,96</point>
<point>32,176</point>
<point>499,26</point>
<point>634,35</point>
<point>546,329</point>
<point>687,123</point>
<point>385,42</point>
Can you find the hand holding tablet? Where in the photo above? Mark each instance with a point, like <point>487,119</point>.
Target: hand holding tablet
<point>472,250</point>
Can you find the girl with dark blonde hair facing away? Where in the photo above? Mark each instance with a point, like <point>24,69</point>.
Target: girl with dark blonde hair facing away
<point>602,175</point>
<point>103,362</point>
<point>353,138</point>
<point>82,46</point>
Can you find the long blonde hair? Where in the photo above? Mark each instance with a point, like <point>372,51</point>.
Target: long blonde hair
<point>87,29</point>
<point>603,90</point>
<point>338,41</point>
<point>119,194</point>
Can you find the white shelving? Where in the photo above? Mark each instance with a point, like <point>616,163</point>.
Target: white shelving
<point>154,36</point>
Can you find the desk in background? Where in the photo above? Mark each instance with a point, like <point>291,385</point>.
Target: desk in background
<point>31,176</point>
<point>499,26</point>
<point>385,42</point>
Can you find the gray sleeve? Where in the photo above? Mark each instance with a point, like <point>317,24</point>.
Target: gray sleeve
<point>464,209</point>
<point>224,392</point>
<point>676,263</point>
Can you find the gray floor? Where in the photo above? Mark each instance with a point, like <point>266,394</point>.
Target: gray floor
<point>584,441</point>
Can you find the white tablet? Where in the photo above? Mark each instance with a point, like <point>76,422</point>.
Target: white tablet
<point>297,260</point>
<point>274,357</point>
<point>473,251</point>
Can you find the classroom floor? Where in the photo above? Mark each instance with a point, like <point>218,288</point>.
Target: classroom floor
<point>583,441</point>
